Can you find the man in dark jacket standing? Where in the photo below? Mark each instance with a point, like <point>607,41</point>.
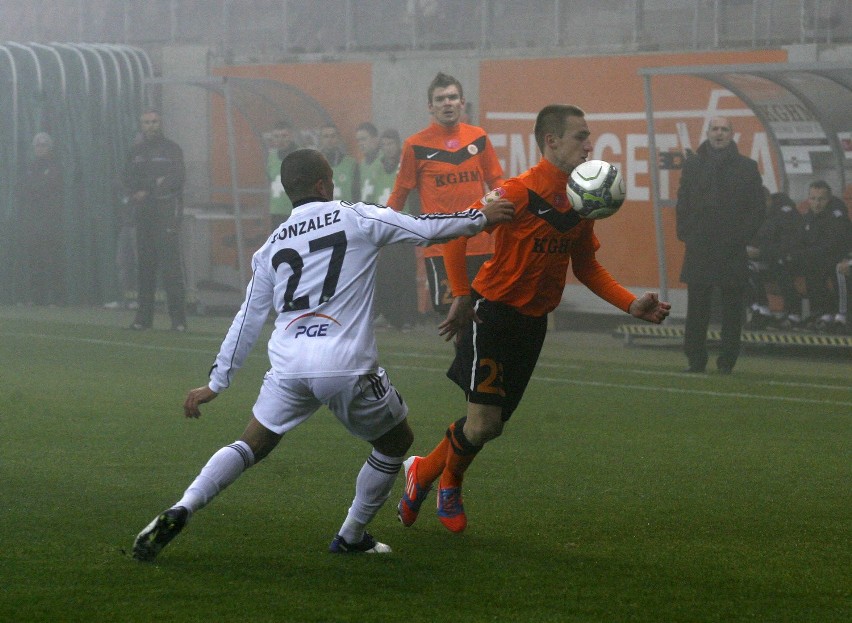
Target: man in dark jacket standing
<point>154,175</point>
<point>720,206</point>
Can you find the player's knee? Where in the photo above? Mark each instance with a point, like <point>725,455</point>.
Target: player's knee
<point>260,439</point>
<point>406,438</point>
<point>481,431</point>
<point>396,441</point>
<point>261,450</point>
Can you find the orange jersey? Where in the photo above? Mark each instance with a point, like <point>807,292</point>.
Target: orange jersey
<point>532,252</point>
<point>450,168</point>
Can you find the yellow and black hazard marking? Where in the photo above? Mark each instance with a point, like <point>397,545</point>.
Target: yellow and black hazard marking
<point>787,338</point>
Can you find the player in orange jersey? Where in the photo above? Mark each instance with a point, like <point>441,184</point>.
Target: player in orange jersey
<point>451,164</point>
<point>500,327</point>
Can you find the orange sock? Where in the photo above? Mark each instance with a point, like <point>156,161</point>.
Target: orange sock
<point>459,456</point>
<point>433,463</point>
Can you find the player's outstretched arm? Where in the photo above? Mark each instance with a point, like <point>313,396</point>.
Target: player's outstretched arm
<point>649,307</point>
<point>195,398</point>
<point>500,211</point>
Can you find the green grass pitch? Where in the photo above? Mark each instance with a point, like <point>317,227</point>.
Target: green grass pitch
<point>621,489</point>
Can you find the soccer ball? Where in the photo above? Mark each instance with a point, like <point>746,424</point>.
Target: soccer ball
<point>596,189</point>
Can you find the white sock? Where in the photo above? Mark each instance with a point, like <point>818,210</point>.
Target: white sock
<point>372,488</point>
<point>222,469</point>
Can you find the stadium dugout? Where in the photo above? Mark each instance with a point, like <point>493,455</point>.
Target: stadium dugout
<point>804,109</point>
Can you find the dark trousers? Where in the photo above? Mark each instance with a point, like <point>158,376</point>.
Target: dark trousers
<point>698,307</point>
<point>159,252</point>
<point>822,298</point>
<point>760,275</point>
<point>43,277</point>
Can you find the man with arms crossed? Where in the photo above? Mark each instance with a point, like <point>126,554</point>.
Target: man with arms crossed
<point>500,329</point>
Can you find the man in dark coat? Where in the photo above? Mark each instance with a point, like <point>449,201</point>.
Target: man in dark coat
<point>154,175</point>
<point>720,206</point>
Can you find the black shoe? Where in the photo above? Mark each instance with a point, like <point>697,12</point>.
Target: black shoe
<point>725,370</point>
<point>368,545</point>
<point>157,534</point>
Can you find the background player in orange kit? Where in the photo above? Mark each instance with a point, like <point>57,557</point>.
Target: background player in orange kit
<point>500,327</point>
<point>451,164</point>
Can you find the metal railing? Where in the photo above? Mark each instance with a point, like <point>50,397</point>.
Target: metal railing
<point>274,30</point>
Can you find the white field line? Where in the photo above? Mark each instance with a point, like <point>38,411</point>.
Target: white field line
<point>536,378</point>
<point>661,389</point>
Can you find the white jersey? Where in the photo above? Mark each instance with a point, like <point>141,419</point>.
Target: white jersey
<point>317,271</point>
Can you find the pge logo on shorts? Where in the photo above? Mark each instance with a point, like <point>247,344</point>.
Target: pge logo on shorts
<point>318,329</point>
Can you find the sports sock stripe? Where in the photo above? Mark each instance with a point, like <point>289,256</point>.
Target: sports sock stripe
<point>383,466</point>
<point>248,459</point>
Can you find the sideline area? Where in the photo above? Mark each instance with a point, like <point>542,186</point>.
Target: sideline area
<point>632,332</point>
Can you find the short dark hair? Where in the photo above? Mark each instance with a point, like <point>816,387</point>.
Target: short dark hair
<point>442,81</point>
<point>821,184</point>
<point>368,127</point>
<point>301,170</point>
<point>552,120</point>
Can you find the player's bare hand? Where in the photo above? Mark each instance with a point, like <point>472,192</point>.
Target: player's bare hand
<point>649,307</point>
<point>498,211</point>
<point>458,318</point>
<point>195,398</point>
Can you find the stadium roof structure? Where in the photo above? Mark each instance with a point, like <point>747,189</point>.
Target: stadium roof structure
<point>806,110</point>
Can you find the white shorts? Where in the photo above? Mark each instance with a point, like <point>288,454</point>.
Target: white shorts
<point>367,405</point>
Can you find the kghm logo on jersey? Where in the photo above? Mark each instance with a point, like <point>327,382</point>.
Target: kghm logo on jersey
<point>560,245</point>
<point>312,329</point>
<point>462,177</point>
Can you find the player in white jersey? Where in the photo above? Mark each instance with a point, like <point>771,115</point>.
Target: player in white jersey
<point>317,271</point>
